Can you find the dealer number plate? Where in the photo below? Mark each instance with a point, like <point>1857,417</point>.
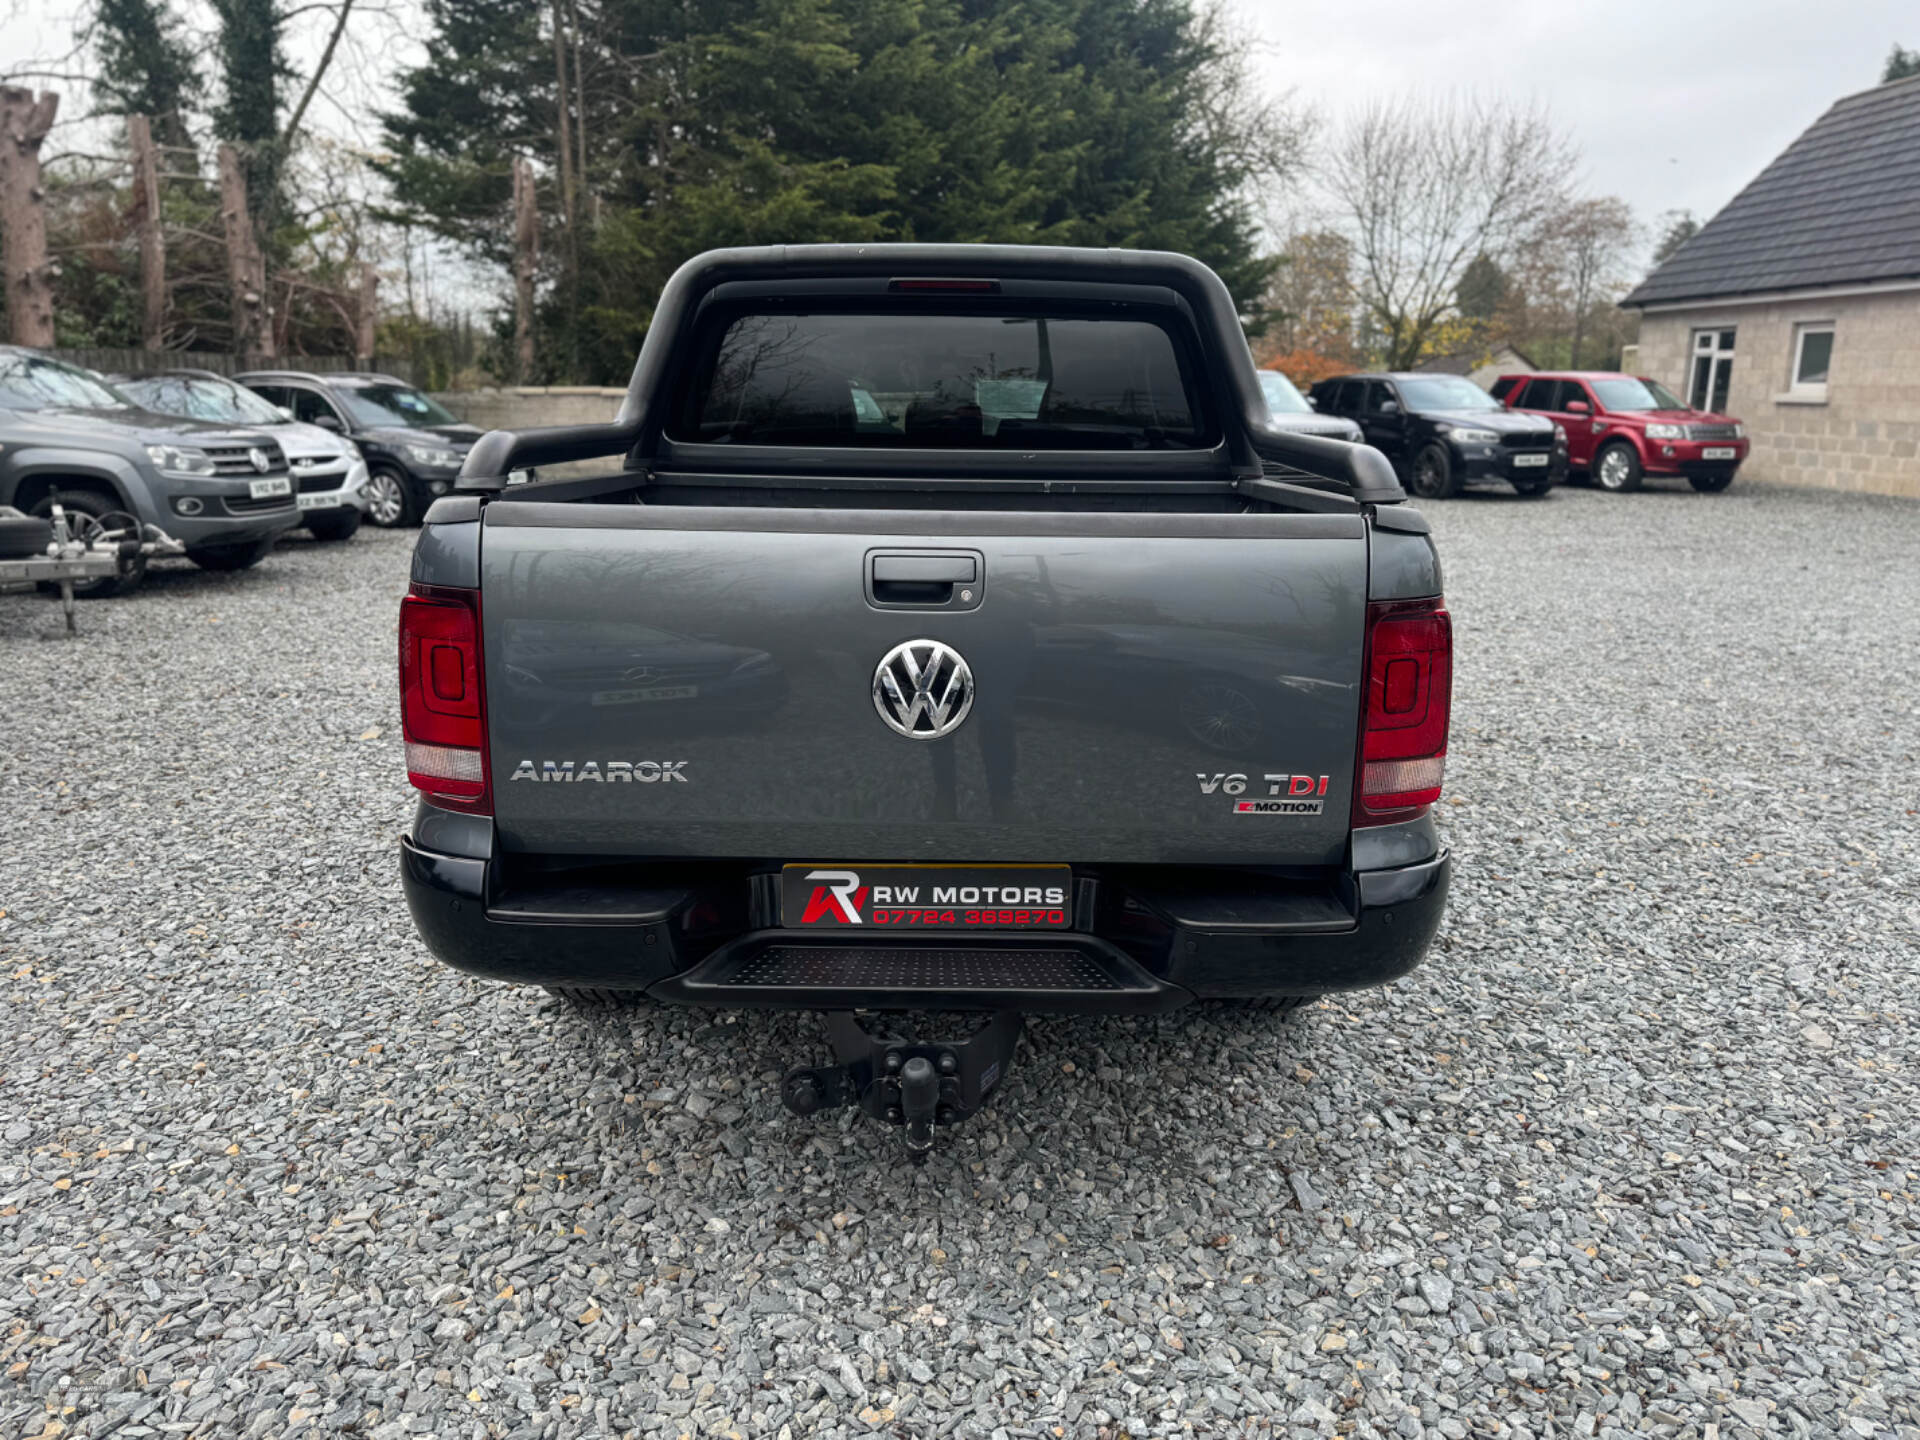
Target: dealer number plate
<point>1529,460</point>
<point>1717,452</point>
<point>265,489</point>
<point>927,897</point>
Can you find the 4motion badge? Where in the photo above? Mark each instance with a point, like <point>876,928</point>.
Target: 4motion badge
<point>1286,794</point>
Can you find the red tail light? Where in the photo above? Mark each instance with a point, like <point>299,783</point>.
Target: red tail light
<point>1403,742</point>
<point>442,706</point>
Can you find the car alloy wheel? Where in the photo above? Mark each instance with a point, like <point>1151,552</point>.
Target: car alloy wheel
<point>1615,471</point>
<point>386,500</point>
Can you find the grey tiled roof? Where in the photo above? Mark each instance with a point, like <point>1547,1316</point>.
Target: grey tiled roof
<point>1840,205</point>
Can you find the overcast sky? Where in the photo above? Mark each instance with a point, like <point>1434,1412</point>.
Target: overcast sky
<point>1675,104</point>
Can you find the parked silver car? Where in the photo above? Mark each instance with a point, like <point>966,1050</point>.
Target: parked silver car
<point>329,473</point>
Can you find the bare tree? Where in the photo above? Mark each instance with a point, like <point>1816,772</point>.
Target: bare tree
<point>1595,236</point>
<point>1426,186</point>
<point>24,122</point>
<point>1262,137</point>
<point>1311,296</point>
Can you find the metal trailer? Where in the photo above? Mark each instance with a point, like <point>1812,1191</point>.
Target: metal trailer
<point>93,550</point>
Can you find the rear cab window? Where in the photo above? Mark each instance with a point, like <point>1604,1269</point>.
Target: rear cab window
<point>943,379</point>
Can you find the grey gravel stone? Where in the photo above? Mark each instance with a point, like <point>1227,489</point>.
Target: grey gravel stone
<point>269,1169</point>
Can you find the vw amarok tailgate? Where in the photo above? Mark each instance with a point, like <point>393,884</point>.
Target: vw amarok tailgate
<point>913,685</point>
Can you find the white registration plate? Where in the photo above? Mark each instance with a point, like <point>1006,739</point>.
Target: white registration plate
<point>641,697</point>
<point>1717,452</point>
<point>1522,460</point>
<point>267,489</point>
<point>325,500</point>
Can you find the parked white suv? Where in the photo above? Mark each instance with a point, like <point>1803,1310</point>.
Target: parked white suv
<point>329,474</point>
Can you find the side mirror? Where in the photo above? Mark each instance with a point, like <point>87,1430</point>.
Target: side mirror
<point>1312,404</point>
<point>1578,407</point>
<point>1389,407</point>
<point>330,422</point>
<point>285,413</point>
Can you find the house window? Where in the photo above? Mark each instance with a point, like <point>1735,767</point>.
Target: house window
<point>1712,369</point>
<point>1812,354</point>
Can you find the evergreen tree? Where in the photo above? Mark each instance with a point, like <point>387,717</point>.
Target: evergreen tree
<point>1481,289</point>
<point>147,66</point>
<point>1067,122</point>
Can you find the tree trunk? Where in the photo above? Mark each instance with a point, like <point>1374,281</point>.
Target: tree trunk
<point>560,104</point>
<point>580,104</point>
<point>153,245</point>
<point>24,122</point>
<point>526,255</point>
<point>246,264</point>
<point>364,316</point>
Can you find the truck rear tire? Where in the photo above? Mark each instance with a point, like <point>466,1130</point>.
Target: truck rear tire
<point>242,556</point>
<point>85,511</point>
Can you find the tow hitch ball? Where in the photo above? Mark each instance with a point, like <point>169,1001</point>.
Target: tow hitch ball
<point>904,1080</point>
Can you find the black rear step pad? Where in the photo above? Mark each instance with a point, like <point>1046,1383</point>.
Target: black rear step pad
<point>1052,973</point>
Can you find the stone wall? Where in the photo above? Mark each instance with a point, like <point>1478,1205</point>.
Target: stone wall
<point>529,406</point>
<point>1865,434</point>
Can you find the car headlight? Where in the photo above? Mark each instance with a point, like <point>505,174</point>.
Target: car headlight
<point>180,460</point>
<point>433,456</point>
<point>1739,431</point>
<point>1559,435</point>
<point>1666,432</point>
<point>1468,436</point>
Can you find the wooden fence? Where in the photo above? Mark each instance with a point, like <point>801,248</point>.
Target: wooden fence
<point>132,362</point>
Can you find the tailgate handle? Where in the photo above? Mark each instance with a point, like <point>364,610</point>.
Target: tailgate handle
<point>922,569</point>
<point>925,579</point>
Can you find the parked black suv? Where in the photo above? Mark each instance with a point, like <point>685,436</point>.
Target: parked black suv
<point>69,438</point>
<point>413,444</point>
<point>1443,432</point>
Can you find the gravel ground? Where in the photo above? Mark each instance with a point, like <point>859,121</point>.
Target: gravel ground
<point>1634,1154</point>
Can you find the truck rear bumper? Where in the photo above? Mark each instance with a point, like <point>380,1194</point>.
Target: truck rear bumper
<point>696,934</point>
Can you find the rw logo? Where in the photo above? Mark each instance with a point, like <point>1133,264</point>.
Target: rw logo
<point>843,896</point>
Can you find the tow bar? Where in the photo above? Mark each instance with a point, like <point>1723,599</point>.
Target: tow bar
<point>902,1079</point>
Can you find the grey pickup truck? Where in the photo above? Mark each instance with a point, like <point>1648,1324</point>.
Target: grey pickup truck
<point>958,640</point>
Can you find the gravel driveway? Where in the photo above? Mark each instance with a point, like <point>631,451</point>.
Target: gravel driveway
<point>1634,1153</point>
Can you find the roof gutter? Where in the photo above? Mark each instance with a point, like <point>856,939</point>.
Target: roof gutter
<point>1772,297</point>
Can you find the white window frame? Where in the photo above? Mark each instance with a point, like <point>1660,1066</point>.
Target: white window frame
<point>1805,392</point>
<point>1706,343</point>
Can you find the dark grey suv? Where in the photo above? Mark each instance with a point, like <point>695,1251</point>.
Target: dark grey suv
<point>414,445</point>
<point>69,438</point>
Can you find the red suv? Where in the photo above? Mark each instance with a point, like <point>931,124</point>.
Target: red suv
<point>1621,428</point>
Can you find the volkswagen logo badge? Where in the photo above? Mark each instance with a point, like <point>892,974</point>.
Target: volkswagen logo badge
<point>259,460</point>
<point>922,689</point>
